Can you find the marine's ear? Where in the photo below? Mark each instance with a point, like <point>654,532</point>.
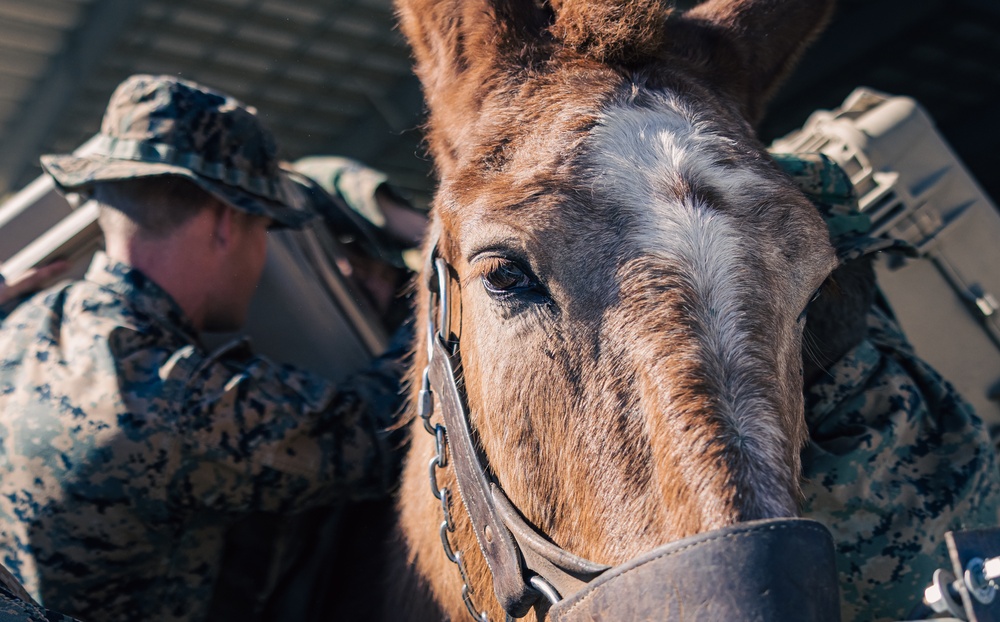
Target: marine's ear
<point>223,222</point>
<point>750,46</point>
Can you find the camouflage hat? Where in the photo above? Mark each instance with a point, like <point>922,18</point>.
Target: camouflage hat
<point>160,125</point>
<point>346,198</point>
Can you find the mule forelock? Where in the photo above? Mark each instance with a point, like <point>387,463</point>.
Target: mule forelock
<point>666,163</point>
<point>618,30</point>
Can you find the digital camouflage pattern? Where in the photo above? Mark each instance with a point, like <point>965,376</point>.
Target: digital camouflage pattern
<point>270,559</point>
<point>350,181</point>
<point>126,449</point>
<point>161,125</point>
<point>350,205</point>
<point>17,606</point>
<point>896,458</point>
<point>831,191</point>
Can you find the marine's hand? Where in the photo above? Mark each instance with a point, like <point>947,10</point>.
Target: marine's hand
<point>30,281</point>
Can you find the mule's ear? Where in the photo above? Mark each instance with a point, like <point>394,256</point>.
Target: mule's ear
<point>461,47</point>
<point>767,39</point>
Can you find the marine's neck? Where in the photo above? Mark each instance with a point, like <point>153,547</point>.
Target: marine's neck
<point>175,263</point>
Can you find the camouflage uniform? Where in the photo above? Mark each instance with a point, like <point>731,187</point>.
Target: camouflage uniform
<point>896,458</point>
<point>352,184</point>
<point>282,567</point>
<point>126,448</point>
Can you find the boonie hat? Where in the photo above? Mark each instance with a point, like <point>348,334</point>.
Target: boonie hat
<point>161,125</point>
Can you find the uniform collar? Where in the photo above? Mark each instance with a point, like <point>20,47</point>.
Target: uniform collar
<point>142,294</point>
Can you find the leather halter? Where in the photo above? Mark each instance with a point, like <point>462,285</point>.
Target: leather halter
<point>526,566</point>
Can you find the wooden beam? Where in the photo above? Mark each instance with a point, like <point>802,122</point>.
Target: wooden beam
<point>34,124</point>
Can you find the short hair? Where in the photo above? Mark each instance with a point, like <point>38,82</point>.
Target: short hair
<point>151,207</point>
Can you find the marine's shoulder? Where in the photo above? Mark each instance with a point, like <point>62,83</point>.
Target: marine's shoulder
<point>69,299</point>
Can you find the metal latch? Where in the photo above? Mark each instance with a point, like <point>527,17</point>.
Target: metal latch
<point>969,590</point>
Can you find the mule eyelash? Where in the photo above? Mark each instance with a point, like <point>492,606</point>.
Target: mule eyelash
<point>812,299</point>
<point>504,278</point>
<point>484,266</point>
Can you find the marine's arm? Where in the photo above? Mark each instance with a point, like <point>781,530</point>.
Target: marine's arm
<point>264,437</point>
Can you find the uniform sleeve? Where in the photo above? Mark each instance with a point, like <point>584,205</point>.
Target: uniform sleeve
<point>264,437</point>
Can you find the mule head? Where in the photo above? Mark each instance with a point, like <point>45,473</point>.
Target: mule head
<point>632,268</point>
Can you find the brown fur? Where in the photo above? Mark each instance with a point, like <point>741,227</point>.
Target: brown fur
<point>622,31</point>
<point>598,403</point>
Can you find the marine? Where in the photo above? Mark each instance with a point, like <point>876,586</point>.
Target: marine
<point>895,456</point>
<point>127,447</point>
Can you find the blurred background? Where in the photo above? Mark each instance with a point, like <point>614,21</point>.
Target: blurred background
<point>333,76</point>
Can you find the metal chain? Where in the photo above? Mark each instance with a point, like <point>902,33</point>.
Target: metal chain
<point>425,408</point>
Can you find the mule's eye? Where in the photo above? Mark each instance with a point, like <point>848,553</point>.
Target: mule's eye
<point>505,277</point>
<point>812,299</point>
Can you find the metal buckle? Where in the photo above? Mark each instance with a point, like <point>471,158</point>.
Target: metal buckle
<point>444,302</point>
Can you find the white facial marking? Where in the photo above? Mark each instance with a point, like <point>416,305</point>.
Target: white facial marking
<point>640,154</point>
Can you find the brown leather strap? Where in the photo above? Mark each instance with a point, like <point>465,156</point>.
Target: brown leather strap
<point>773,570</point>
<point>14,586</point>
<point>496,543</point>
<point>566,572</point>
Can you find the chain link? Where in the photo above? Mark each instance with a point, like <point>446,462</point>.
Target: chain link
<point>425,404</point>
<point>425,409</point>
<point>445,505</point>
<point>432,468</point>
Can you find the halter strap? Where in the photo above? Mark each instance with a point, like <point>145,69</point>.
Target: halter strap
<point>515,594</point>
